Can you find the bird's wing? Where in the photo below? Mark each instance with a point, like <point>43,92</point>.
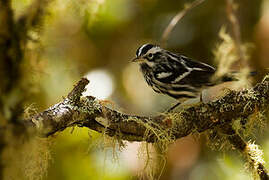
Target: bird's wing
<point>184,71</point>
<point>167,78</point>
<point>196,65</point>
<point>169,72</point>
<point>200,75</point>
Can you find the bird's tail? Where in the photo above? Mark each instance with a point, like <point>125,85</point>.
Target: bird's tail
<point>232,76</point>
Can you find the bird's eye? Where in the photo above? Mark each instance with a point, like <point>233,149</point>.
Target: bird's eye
<point>150,55</point>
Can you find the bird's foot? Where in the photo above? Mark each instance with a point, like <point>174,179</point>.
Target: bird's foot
<point>201,97</point>
<point>173,107</point>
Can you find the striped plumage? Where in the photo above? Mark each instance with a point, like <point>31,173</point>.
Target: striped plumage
<point>172,74</point>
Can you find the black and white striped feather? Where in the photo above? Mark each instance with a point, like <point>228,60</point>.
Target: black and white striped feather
<point>175,75</point>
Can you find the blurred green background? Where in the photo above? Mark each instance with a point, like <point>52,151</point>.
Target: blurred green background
<point>97,39</point>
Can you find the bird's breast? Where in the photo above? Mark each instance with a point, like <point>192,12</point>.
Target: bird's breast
<point>146,71</point>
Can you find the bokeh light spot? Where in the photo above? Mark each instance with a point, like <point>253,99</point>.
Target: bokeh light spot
<point>101,84</point>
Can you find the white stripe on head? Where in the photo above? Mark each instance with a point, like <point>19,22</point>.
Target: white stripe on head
<point>140,49</point>
<point>147,48</point>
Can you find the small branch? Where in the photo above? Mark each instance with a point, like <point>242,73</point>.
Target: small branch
<point>79,88</point>
<point>176,19</point>
<point>254,159</point>
<point>236,32</point>
<point>234,138</point>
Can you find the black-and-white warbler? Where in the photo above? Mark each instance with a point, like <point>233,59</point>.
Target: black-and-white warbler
<point>175,75</point>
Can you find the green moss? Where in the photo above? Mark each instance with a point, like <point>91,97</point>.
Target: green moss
<point>217,141</point>
<point>26,158</point>
<point>36,158</point>
<point>255,158</point>
<point>226,107</point>
<point>30,111</point>
<point>154,154</point>
<point>154,161</point>
<point>225,53</point>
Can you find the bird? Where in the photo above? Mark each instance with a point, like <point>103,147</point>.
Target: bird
<point>175,75</point>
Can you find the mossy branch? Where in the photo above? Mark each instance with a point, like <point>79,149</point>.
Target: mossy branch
<point>76,110</point>
<point>251,151</point>
<point>89,112</point>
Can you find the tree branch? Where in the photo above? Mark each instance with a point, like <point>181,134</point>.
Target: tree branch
<point>253,155</point>
<point>230,9</point>
<point>176,19</point>
<point>89,112</point>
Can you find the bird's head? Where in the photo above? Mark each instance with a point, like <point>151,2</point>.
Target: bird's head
<point>147,53</point>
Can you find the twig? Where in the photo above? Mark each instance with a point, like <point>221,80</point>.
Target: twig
<point>245,148</point>
<point>236,32</point>
<point>78,89</point>
<point>176,19</point>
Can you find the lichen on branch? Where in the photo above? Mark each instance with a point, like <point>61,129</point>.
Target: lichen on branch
<point>76,110</point>
<point>89,112</point>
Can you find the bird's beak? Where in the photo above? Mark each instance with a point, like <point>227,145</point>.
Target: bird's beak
<point>137,59</point>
